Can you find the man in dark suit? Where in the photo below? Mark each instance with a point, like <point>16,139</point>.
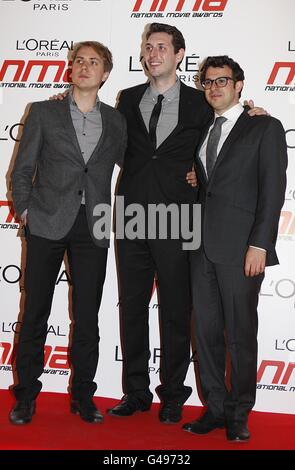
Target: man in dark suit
<point>241,167</point>
<point>62,172</point>
<point>165,119</point>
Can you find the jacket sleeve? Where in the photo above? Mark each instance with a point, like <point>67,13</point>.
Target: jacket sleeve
<point>26,160</point>
<point>272,186</point>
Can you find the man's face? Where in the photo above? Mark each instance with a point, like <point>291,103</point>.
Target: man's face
<point>88,69</point>
<point>222,99</point>
<point>160,57</point>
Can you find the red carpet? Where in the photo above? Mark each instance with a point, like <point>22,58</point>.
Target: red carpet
<point>55,428</point>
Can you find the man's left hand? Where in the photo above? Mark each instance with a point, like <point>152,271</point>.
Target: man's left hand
<point>191,178</point>
<point>255,110</point>
<point>254,262</point>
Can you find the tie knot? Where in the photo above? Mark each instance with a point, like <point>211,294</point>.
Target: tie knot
<point>160,99</point>
<point>219,121</point>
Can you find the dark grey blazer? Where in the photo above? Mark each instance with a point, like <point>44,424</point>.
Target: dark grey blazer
<point>50,174</point>
<point>243,198</point>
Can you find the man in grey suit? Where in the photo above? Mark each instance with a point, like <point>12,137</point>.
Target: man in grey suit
<point>62,171</point>
<point>241,164</point>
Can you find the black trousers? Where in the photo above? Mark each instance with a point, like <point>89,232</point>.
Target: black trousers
<point>87,269</point>
<point>139,260</point>
<point>225,308</point>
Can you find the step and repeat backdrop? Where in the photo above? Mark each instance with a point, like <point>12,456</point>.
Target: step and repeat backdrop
<point>36,37</point>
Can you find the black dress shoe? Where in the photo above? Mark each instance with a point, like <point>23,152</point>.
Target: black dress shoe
<point>170,413</point>
<point>22,412</point>
<point>207,423</point>
<point>128,406</point>
<point>87,411</point>
<point>237,432</point>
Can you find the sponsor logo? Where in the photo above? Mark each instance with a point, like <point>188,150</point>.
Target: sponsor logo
<point>283,288</point>
<point>287,226</point>
<point>8,218</point>
<point>47,5</point>
<point>290,195</point>
<point>290,136</point>
<point>56,358</point>
<point>276,374</point>
<point>14,328</point>
<point>33,73</point>
<point>285,344</point>
<point>282,76</point>
<point>188,70</point>
<point>11,132</point>
<point>44,47</point>
<point>178,8</point>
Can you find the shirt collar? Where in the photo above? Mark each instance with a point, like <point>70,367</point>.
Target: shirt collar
<point>73,102</point>
<point>169,95</point>
<point>233,113</point>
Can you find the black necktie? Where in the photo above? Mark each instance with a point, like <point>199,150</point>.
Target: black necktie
<point>212,144</point>
<point>154,120</point>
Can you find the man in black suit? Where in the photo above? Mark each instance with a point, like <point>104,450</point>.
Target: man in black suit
<point>62,172</point>
<point>155,168</point>
<point>241,165</point>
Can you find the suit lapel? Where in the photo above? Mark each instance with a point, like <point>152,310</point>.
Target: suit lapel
<point>66,120</point>
<point>184,103</point>
<point>105,125</point>
<point>239,126</point>
<point>138,96</point>
<point>200,165</point>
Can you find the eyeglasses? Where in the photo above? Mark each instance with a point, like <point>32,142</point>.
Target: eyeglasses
<point>220,82</point>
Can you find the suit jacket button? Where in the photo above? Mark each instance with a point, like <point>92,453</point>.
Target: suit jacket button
<point>154,157</point>
<point>80,192</point>
<point>86,170</point>
<point>209,194</point>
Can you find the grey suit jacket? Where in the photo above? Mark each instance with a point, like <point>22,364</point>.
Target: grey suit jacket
<point>50,174</point>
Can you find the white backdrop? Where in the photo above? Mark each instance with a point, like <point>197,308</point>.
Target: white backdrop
<point>35,39</point>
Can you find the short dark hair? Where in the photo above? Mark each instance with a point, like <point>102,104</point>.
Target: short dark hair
<point>221,61</point>
<point>177,37</point>
<point>103,52</point>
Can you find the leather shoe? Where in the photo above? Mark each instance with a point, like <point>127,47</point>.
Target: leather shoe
<point>170,413</point>
<point>87,411</point>
<point>207,423</point>
<point>22,412</point>
<point>128,406</point>
<point>237,432</point>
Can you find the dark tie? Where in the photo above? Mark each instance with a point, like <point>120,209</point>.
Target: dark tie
<point>154,120</point>
<point>212,144</point>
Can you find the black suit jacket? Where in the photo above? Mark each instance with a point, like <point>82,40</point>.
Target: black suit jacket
<point>158,175</point>
<point>244,195</point>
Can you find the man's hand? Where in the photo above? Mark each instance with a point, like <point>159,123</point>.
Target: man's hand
<point>191,178</point>
<point>255,110</point>
<point>254,262</point>
<point>60,96</point>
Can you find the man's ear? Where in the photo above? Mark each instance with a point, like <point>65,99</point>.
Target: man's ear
<point>105,76</point>
<point>239,85</point>
<point>179,55</point>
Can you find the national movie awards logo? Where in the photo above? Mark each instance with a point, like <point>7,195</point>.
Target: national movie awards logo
<point>178,8</point>
<point>8,218</point>
<point>282,74</point>
<point>276,375</point>
<point>47,70</point>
